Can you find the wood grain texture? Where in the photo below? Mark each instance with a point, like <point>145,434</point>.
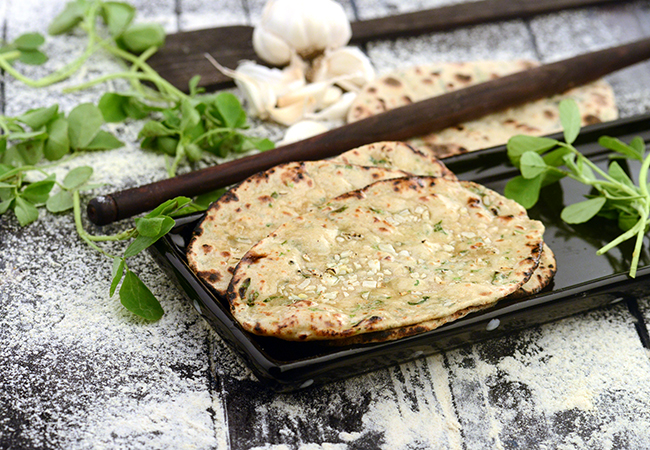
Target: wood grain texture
<point>182,57</point>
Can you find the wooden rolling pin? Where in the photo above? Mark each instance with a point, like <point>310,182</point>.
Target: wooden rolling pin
<point>416,119</point>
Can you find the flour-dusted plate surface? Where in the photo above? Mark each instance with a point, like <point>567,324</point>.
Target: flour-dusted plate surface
<point>285,365</point>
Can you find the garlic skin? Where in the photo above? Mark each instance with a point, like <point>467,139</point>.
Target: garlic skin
<point>307,27</point>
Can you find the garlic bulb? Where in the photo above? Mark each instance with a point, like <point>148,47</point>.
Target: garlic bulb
<point>306,27</point>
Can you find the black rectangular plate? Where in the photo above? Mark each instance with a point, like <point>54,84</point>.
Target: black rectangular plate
<point>584,280</point>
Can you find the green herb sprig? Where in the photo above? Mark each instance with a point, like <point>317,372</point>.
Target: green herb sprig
<point>543,161</point>
<point>184,126</point>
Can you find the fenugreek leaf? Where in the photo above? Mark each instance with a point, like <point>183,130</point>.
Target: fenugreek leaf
<point>59,202</point>
<point>57,144</point>
<point>25,211</point>
<point>524,191</point>
<point>570,119</point>
<point>36,118</point>
<point>117,16</point>
<point>77,176</point>
<point>520,144</point>
<point>38,192</point>
<point>70,17</point>
<point>104,141</point>
<point>84,122</point>
<point>141,36</point>
<point>621,147</point>
<point>583,211</point>
<point>531,165</point>
<point>142,242</point>
<point>117,273</point>
<point>137,298</point>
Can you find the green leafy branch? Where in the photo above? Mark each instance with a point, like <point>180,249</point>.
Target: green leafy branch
<point>184,126</point>
<point>543,161</point>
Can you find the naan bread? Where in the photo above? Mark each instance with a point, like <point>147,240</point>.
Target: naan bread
<point>396,253</point>
<point>541,278</point>
<point>595,100</point>
<point>254,208</point>
<point>396,155</point>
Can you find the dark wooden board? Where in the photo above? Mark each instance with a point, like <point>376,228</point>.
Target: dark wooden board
<point>183,55</point>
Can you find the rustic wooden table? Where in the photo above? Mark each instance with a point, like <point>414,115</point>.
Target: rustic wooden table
<point>78,372</point>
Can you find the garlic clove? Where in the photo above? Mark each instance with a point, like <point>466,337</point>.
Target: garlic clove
<point>331,96</point>
<point>302,130</point>
<point>292,113</point>
<point>336,111</point>
<point>314,91</point>
<point>349,64</point>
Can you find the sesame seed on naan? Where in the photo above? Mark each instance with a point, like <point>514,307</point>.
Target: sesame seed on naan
<point>251,210</point>
<point>396,253</point>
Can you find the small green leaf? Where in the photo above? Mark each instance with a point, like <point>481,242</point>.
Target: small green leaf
<point>141,36</point>
<point>69,18</point>
<point>638,145</point>
<point>142,242</point>
<point>77,176</point>
<point>531,165</point>
<point>193,85</point>
<point>155,129</point>
<point>58,142</point>
<point>59,202</point>
<point>118,273</point>
<point>117,16</point>
<point>137,298</point>
<point>29,41</point>
<point>25,211</point>
<point>621,147</point>
<point>31,151</point>
<point>136,109</point>
<point>230,109</point>
<point>250,143</point>
<point>520,144</point>
<point>104,141</point>
<point>149,227</point>
<point>190,116</point>
<point>111,106</point>
<point>32,57</point>
<point>570,119</point>
<point>555,158</point>
<point>616,171</point>
<point>205,200</point>
<point>5,205</point>
<point>36,118</point>
<point>626,221</point>
<point>193,152</point>
<point>38,192</point>
<point>84,122</point>
<point>583,211</point>
<point>524,191</point>
<point>169,207</point>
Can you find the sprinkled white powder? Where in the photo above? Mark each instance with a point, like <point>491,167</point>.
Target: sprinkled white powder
<point>78,372</point>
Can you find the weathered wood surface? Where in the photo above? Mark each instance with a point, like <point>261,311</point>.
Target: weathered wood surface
<point>76,372</point>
